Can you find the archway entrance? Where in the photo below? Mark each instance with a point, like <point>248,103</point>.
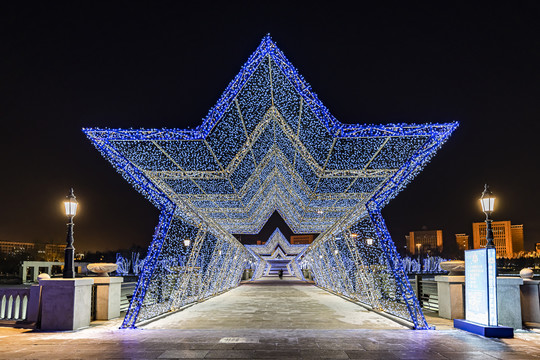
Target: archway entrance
<point>270,145</point>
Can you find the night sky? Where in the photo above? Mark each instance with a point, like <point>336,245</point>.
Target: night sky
<point>65,66</point>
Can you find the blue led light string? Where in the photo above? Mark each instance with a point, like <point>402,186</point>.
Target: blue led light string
<point>147,270</point>
<point>268,145</point>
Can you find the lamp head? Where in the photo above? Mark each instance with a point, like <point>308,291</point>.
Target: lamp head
<point>187,242</point>
<point>487,201</point>
<point>70,204</point>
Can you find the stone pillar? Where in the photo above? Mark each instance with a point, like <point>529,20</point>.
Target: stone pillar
<point>530,302</point>
<point>451,294</point>
<point>34,299</point>
<point>107,297</point>
<point>23,273</point>
<point>36,273</point>
<point>66,303</point>
<point>508,301</point>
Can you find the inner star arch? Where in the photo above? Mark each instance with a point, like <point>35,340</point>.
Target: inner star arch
<point>268,145</point>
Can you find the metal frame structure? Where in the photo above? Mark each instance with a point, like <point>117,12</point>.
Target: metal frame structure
<point>269,144</point>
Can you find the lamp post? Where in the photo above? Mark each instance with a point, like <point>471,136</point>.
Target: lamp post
<point>187,242</point>
<point>70,205</point>
<point>488,204</point>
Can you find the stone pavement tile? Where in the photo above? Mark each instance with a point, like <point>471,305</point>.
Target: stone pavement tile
<point>323,354</point>
<point>418,355</point>
<point>469,355</point>
<point>183,354</point>
<point>276,354</point>
<point>337,345</point>
<point>359,354</point>
<point>230,354</point>
<point>511,355</point>
<point>255,346</point>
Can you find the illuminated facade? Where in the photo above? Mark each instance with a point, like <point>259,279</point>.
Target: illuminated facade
<point>425,241</point>
<point>45,252</point>
<point>508,238</point>
<point>269,144</point>
<point>301,239</point>
<point>13,248</point>
<point>462,241</point>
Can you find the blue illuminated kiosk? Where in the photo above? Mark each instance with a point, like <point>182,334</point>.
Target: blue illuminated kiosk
<point>481,284</point>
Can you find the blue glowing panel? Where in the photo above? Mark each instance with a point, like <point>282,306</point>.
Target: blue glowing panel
<point>189,155</point>
<point>284,144</point>
<point>182,186</point>
<point>286,98</point>
<point>346,202</point>
<point>267,170</point>
<point>250,192</point>
<point>314,136</point>
<point>242,173</point>
<point>264,143</point>
<point>306,173</point>
<point>365,185</point>
<point>227,137</point>
<point>216,186</point>
<point>228,204</point>
<point>255,98</point>
<point>333,185</point>
<point>145,155</point>
<point>481,287</point>
<point>397,151</point>
<point>349,153</point>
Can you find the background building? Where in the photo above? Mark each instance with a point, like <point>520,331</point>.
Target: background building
<point>14,248</point>
<point>517,237</point>
<point>503,233</point>
<point>462,241</point>
<point>301,239</point>
<point>38,252</point>
<point>425,241</point>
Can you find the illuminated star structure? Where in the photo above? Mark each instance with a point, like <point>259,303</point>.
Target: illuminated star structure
<point>278,250</point>
<point>269,144</point>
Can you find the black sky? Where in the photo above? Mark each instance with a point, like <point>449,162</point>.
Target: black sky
<point>68,65</point>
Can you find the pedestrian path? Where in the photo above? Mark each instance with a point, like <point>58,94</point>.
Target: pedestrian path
<point>267,319</point>
<point>273,303</point>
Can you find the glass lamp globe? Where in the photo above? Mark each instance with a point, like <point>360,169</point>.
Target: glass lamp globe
<point>487,200</point>
<point>70,204</point>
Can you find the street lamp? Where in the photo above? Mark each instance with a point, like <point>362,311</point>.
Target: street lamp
<point>187,242</point>
<point>369,241</point>
<point>488,204</point>
<point>418,247</point>
<point>70,205</point>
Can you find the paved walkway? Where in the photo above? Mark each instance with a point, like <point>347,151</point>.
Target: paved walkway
<point>269,319</point>
<point>272,303</point>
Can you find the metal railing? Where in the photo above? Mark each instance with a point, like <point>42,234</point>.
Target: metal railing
<point>425,288</point>
<point>126,292</point>
<point>14,304</point>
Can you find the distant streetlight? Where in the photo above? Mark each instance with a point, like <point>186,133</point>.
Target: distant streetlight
<point>418,247</point>
<point>488,205</point>
<point>71,209</point>
<point>187,242</point>
<point>369,241</point>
